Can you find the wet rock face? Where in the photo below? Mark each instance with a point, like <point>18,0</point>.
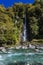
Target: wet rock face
<point>18,63</point>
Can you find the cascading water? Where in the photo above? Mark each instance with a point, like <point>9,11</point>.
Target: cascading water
<point>24,30</point>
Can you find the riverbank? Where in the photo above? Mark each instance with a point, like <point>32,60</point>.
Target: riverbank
<point>34,44</point>
<point>23,47</point>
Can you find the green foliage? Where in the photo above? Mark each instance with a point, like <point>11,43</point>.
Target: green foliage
<point>34,26</point>
<point>11,21</point>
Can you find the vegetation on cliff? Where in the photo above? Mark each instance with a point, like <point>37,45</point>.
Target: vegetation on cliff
<point>11,22</point>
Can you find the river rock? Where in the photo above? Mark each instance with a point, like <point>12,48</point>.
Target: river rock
<point>18,47</point>
<point>32,46</point>
<point>24,47</point>
<point>37,50</point>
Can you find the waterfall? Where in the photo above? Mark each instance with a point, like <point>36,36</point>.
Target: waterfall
<point>24,30</point>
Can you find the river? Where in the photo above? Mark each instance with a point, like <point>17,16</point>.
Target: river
<point>22,55</point>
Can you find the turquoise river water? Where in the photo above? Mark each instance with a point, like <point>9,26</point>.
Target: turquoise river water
<point>22,55</point>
